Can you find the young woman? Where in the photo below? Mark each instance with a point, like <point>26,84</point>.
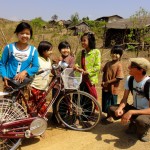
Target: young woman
<point>19,59</point>
<point>88,61</point>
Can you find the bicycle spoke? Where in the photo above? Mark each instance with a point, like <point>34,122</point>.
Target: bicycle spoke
<point>10,111</point>
<point>77,110</point>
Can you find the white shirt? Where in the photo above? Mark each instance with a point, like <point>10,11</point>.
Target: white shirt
<point>139,101</point>
<point>41,81</point>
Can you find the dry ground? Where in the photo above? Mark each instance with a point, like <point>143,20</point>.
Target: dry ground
<point>106,137</point>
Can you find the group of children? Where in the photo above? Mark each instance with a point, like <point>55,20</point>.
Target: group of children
<point>20,59</point>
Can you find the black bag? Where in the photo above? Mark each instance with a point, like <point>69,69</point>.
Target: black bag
<point>16,84</point>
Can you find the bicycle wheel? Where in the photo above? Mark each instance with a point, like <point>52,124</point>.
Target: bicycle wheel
<point>10,111</point>
<point>78,110</point>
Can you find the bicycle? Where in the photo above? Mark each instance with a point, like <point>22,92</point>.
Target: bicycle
<point>76,109</point>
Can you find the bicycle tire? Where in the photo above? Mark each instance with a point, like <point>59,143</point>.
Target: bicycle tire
<point>76,113</point>
<point>10,111</point>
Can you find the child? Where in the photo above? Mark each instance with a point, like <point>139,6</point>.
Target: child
<point>88,61</point>
<point>41,81</point>
<point>112,74</point>
<point>19,59</point>
<point>65,50</point>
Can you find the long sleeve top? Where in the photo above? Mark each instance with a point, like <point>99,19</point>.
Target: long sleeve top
<point>14,61</point>
<point>42,80</point>
<point>92,63</point>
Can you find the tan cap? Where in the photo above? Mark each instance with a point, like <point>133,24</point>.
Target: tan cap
<point>141,62</point>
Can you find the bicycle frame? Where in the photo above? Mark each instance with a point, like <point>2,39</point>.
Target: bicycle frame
<point>17,128</point>
<point>75,109</point>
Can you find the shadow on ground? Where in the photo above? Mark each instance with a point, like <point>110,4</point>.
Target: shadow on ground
<point>117,135</point>
<point>113,134</point>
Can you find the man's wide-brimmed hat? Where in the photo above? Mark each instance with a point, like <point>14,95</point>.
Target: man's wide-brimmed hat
<point>141,62</point>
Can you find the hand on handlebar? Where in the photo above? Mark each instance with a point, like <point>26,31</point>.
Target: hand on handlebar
<point>81,70</point>
<point>43,70</point>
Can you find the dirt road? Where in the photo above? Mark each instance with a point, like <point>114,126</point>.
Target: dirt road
<point>102,137</point>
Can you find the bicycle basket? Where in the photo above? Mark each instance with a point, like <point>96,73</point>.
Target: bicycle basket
<point>71,78</point>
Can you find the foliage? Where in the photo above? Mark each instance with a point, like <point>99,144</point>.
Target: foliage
<point>131,36</point>
<point>130,47</point>
<point>85,19</point>
<point>139,28</point>
<point>97,27</point>
<point>74,19</point>
<point>147,40</point>
<point>54,17</point>
<point>37,23</point>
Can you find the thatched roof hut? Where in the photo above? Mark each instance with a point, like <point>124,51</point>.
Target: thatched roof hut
<point>109,18</point>
<point>117,31</point>
<point>81,27</point>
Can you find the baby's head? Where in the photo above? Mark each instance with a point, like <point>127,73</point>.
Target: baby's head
<point>116,52</point>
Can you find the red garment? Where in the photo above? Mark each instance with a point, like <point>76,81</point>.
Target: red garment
<point>36,100</point>
<point>37,94</point>
<point>86,80</point>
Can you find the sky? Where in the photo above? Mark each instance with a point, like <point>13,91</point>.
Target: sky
<point>30,9</point>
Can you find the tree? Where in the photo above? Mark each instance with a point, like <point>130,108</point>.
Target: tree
<point>37,23</point>
<point>139,29</point>
<point>54,17</point>
<point>97,27</point>
<point>85,19</point>
<point>75,18</point>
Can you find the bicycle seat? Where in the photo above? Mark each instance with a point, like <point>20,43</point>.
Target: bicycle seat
<point>16,84</point>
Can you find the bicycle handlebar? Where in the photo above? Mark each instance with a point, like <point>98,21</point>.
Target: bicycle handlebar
<point>61,64</point>
<point>43,70</point>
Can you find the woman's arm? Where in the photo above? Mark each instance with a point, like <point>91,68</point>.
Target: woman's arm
<point>97,63</point>
<point>4,60</point>
<point>34,65</point>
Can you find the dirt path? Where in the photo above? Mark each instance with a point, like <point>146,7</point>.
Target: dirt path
<point>107,137</point>
<point>102,137</point>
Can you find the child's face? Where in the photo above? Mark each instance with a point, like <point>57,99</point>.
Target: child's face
<point>24,36</point>
<point>65,51</point>
<point>85,42</point>
<point>115,56</point>
<point>47,53</point>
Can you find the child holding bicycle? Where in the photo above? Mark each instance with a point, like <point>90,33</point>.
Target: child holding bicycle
<point>65,50</point>
<point>19,59</point>
<point>41,81</point>
<point>88,61</point>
